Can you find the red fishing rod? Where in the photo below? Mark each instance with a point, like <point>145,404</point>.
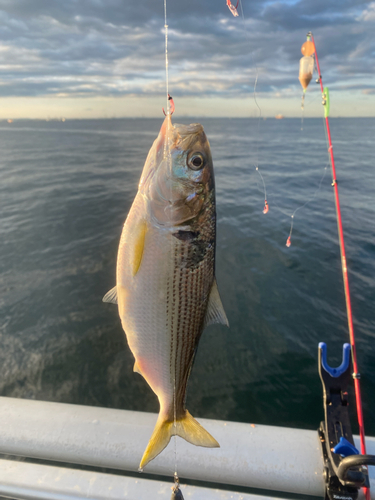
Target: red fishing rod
<point>356,374</point>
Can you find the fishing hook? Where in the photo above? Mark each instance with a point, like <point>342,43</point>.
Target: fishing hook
<point>172,107</point>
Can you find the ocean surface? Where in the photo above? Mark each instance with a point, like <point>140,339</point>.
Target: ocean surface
<point>65,190</point>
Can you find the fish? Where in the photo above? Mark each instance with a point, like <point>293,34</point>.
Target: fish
<point>166,289</point>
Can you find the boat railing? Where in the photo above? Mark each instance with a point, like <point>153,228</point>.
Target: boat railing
<point>266,458</point>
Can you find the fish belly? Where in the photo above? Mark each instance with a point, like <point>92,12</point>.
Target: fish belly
<point>163,289</point>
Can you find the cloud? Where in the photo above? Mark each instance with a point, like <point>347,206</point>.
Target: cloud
<point>368,15</point>
<point>116,47</point>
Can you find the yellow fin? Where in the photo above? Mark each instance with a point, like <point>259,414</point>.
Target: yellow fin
<point>187,427</point>
<point>138,246</point>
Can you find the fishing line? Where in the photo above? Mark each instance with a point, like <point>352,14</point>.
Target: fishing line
<point>288,241</point>
<point>302,108</point>
<point>175,435</point>
<point>166,56</point>
<point>257,140</point>
<point>266,207</point>
<point>168,159</point>
<point>303,104</point>
<point>305,79</point>
<point>327,141</point>
<point>307,66</point>
<point>312,100</point>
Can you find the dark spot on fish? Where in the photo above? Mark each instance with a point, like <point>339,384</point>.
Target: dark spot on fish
<point>196,250</point>
<point>186,235</point>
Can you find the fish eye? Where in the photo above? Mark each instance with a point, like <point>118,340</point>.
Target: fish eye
<point>195,161</point>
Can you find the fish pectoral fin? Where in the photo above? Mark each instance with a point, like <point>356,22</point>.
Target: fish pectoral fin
<point>215,311</point>
<point>137,246</point>
<point>187,428</point>
<point>111,296</point>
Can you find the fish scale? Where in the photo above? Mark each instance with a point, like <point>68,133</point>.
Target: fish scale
<point>190,285</point>
<point>201,280</point>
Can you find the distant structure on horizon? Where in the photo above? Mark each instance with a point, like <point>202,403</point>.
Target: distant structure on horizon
<point>279,117</point>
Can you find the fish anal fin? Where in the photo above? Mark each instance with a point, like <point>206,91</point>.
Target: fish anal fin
<point>138,245</point>
<point>111,296</point>
<point>215,311</point>
<point>187,428</point>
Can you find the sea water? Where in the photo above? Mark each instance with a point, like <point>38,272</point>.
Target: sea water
<point>65,190</point>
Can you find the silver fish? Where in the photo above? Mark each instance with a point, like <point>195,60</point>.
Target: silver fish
<point>166,289</point>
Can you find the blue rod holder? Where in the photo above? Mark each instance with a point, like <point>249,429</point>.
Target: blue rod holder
<point>335,372</point>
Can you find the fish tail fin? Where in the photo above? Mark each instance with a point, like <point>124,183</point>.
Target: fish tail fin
<point>186,427</point>
<point>191,430</point>
<point>159,440</point>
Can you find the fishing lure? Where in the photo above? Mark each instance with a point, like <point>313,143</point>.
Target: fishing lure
<point>172,106</point>
<point>233,8</point>
<point>177,495</point>
<point>234,11</point>
<point>176,492</point>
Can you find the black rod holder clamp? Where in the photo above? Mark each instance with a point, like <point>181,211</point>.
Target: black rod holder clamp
<point>345,469</point>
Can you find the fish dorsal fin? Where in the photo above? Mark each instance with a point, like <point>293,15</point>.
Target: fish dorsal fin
<point>215,311</point>
<point>111,296</point>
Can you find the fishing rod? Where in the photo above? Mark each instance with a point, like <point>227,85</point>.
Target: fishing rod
<point>309,49</point>
<point>344,267</point>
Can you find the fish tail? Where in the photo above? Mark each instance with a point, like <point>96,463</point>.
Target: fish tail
<point>191,430</point>
<point>186,427</point>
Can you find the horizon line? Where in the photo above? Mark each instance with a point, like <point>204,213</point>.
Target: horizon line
<point>10,120</point>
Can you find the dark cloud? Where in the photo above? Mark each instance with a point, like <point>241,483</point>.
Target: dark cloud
<point>114,47</point>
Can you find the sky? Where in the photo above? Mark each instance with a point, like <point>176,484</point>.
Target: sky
<point>106,58</point>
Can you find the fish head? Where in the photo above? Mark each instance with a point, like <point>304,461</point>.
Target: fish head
<point>178,179</point>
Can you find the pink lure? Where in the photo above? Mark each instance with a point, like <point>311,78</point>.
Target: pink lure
<point>172,108</point>
<point>233,8</point>
<point>288,242</point>
<point>266,207</point>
